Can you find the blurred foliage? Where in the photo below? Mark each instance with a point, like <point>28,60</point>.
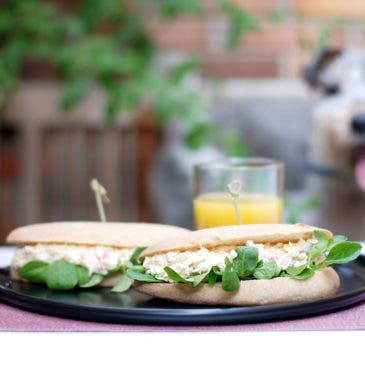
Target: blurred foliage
<point>296,211</point>
<point>108,43</point>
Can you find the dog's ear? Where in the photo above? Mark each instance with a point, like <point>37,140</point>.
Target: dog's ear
<point>320,61</point>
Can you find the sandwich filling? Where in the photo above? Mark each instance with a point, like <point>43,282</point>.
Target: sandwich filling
<point>190,263</point>
<point>97,260</point>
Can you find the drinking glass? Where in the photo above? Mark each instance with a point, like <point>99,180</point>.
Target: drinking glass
<point>257,182</point>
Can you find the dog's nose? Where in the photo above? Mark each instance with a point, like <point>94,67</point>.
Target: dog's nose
<point>358,124</point>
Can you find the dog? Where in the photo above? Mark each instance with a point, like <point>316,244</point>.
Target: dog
<point>337,144</point>
<point>338,167</point>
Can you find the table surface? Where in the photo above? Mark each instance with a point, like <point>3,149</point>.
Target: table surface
<point>14,319</point>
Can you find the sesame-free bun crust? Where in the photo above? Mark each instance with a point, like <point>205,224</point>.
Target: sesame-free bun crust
<point>120,235</point>
<point>233,236</point>
<point>323,284</point>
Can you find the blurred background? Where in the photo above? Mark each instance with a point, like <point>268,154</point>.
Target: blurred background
<point>136,92</point>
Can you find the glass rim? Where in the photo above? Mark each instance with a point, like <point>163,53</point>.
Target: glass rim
<point>240,163</point>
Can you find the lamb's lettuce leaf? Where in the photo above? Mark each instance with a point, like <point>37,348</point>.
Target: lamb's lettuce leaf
<point>246,261</point>
<point>295,270</point>
<point>61,275</point>
<point>142,277</point>
<point>123,284</point>
<point>82,275</point>
<point>266,270</point>
<point>34,271</point>
<point>173,275</point>
<point>319,248</point>
<point>213,275</point>
<point>94,280</point>
<point>135,256</point>
<point>198,279</point>
<point>341,253</point>
<point>230,279</point>
<point>305,274</point>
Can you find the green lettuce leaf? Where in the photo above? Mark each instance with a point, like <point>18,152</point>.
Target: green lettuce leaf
<point>61,275</point>
<point>34,271</point>
<point>246,261</point>
<point>142,277</point>
<point>173,275</point>
<point>94,280</point>
<point>198,279</point>
<point>230,279</point>
<point>213,275</point>
<point>82,275</point>
<point>123,284</point>
<point>318,249</point>
<point>266,270</point>
<point>343,252</point>
<point>135,256</point>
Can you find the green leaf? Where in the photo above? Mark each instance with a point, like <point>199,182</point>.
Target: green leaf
<point>61,275</point>
<point>82,275</point>
<point>75,91</point>
<point>173,8</point>
<point>335,240</point>
<point>343,252</point>
<point>95,279</point>
<point>135,256</point>
<point>212,277</point>
<point>295,270</point>
<point>199,135</point>
<point>298,210</point>
<point>267,270</point>
<point>217,270</point>
<point>198,279</point>
<point>319,248</point>
<point>142,277</point>
<point>124,283</point>
<point>128,265</point>
<point>305,274</point>
<point>246,261</point>
<point>178,73</point>
<point>173,275</point>
<point>240,22</point>
<point>34,271</point>
<point>230,279</point>
<point>338,239</point>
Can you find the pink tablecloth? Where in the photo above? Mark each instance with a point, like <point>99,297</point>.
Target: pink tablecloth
<point>13,319</point>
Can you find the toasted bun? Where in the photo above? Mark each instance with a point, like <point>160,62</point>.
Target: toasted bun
<point>324,283</point>
<point>234,236</point>
<point>121,235</point>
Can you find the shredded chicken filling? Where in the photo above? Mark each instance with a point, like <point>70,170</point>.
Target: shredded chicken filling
<point>189,263</point>
<point>98,259</point>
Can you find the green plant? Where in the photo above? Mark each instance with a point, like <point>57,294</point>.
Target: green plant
<point>295,211</point>
<point>107,43</point>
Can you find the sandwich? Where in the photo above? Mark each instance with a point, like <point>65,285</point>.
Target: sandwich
<point>65,255</point>
<point>243,265</point>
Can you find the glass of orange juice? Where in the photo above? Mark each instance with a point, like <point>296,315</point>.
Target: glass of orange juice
<point>260,198</point>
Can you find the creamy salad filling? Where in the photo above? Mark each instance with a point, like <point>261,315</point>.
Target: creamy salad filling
<point>98,260</point>
<point>189,263</point>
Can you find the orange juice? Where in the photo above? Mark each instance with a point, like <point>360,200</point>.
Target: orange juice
<point>216,209</point>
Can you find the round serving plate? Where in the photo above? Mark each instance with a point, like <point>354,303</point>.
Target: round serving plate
<point>99,304</point>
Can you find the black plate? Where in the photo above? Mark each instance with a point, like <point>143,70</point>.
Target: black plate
<point>133,307</point>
